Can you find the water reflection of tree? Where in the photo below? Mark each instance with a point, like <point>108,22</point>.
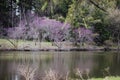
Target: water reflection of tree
<point>4,69</point>
<point>62,62</point>
<point>100,65</point>
<point>115,70</point>
<point>105,64</point>
<point>83,61</point>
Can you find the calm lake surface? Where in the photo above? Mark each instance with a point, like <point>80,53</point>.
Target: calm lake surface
<point>97,64</point>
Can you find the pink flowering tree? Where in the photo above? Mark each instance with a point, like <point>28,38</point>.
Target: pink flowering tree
<point>40,29</point>
<point>54,31</point>
<point>83,35</point>
<point>16,33</point>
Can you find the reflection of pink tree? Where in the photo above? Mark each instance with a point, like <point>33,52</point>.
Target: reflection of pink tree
<point>27,71</point>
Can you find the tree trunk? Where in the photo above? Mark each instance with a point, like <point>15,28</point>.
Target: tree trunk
<point>14,43</point>
<point>118,41</point>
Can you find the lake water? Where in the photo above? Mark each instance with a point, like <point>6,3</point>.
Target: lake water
<point>15,64</point>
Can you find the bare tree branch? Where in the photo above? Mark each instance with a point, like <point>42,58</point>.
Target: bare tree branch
<point>95,4</point>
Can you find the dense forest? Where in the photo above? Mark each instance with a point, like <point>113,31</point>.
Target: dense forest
<point>82,20</point>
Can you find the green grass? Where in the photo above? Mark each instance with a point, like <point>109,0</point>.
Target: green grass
<point>106,78</point>
<point>32,45</point>
<point>22,44</point>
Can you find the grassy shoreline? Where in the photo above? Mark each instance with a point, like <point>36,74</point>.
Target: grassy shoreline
<point>107,78</point>
<point>21,45</point>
